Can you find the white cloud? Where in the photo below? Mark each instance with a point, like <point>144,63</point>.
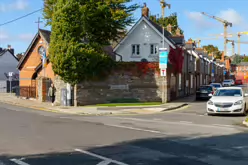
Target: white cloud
<point>198,20</point>
<point>4,36</point>
<point>232,16</point>
<point>25,37</point>
<point>202,21</point>
<point>16,5</point>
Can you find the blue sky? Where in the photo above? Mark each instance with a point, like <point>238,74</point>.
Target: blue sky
<point>20,33</point>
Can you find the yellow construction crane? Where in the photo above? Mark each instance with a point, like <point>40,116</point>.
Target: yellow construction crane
<point>163,6</point>
<point>198,40</point>
<point>230,35</point>
<point>225,23</point>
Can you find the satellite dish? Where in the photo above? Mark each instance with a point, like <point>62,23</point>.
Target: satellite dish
<point>144,60</point>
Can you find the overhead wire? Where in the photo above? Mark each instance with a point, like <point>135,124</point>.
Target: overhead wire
<point>16,19</point>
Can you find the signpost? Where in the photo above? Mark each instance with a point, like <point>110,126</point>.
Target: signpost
<point>10,80</point>
<point>163,61</point>
<point>163,72</point>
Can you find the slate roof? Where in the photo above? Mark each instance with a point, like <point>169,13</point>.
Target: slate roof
<point>6,50</point>
<point>45,34</point>
<point>168,35</point>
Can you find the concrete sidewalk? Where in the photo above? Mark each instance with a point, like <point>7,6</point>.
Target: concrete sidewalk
<point>90,110</point>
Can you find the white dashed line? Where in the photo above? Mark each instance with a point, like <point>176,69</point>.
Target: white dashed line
<point>19,162</point>
<point>222,125</point>
<point>105,162</point>
<point>138,129</point>
<point>105,159</point>
<point>187,122</point>
<point>240,147</point>
<point>177,123</point>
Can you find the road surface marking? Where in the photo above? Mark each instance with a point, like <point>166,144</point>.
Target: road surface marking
<point>19,162</point>
<point>240,147</point>
<point>100,157</point>
<point>175,123</point>
<point>189,122</point>
<point>223,125</point>
<point>105,162</point>
<point>138,129</point>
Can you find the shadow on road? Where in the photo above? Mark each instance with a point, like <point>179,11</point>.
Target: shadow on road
<point>231,149</point>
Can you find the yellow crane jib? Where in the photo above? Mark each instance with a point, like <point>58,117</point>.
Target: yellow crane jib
<point>225,23</point>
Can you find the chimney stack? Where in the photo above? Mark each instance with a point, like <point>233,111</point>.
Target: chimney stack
<point>169,28</point>
<point>11,49</point>
<point>145,11</point>
<point>178,32</point>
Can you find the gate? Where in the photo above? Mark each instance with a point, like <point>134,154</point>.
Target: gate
<point>28,91</point>
<point>3,86</point>
<point>45,87</point>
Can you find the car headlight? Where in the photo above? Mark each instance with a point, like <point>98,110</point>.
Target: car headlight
<point>238,102</point>
<point>210,103</point>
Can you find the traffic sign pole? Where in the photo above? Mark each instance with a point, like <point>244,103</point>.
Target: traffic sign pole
<point>163,60</point>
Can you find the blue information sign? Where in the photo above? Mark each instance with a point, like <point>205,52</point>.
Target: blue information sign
<point>163,57</point>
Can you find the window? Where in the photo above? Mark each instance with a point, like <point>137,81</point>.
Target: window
<point>191,57</point>
<point>154,49</point>
<point>136,50</point>
<point>179,81</point>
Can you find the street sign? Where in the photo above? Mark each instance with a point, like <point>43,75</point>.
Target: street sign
<point>163,72</point>
<point>10,74</point>
<point>163,58</point>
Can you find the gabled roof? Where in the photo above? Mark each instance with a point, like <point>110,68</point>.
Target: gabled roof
<point>7,50</point>
<point>155,27</point>
<point>45,34</point>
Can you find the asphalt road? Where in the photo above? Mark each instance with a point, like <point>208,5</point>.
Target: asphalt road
<point>181,137</point>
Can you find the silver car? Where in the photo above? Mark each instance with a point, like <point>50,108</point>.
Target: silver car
<point>227,83</point>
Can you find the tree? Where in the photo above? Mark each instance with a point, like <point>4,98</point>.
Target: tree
<point>102,21</point>
<point>213,49</point>
<point>245,59</point>
<point>73,60</point>
<point>172,20</point>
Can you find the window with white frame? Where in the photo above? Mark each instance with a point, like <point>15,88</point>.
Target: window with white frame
<point>179,81</point>
<point>153,49</point>
<point>136,50</point>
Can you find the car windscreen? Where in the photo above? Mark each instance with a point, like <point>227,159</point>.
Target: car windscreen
<point>216,85</point>
<point>205,88</point>
<point>227,81</point>
<point>228,92</point>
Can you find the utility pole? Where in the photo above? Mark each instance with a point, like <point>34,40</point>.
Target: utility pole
<point>38,22</point>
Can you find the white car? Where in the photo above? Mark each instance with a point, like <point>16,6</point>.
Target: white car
<point>228,100</point>
<point>228,83</point>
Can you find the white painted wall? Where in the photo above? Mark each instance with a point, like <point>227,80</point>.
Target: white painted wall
<point>144,35</point>
<point>8,63</point>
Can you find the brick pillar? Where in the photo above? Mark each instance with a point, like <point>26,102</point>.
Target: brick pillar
<point>42,89</point>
